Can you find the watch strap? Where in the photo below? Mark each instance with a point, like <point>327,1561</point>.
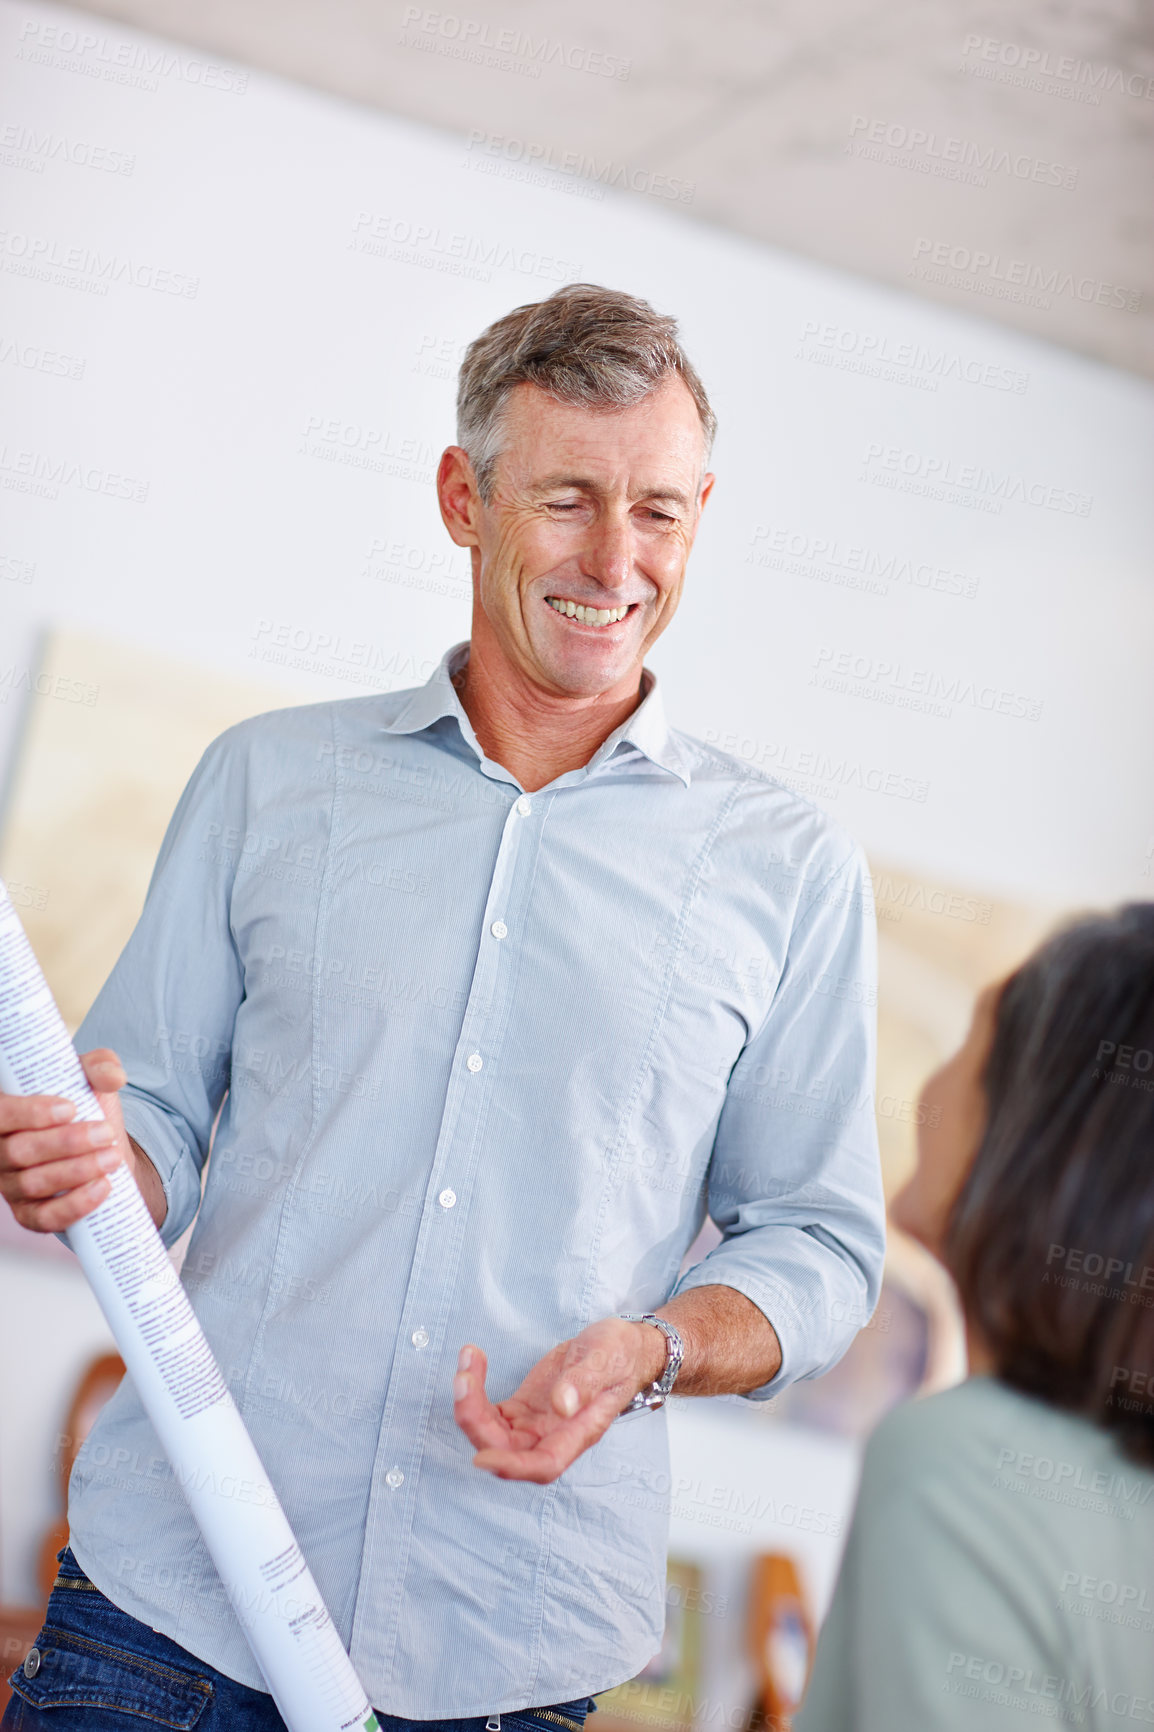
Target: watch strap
<point>656,1394</point>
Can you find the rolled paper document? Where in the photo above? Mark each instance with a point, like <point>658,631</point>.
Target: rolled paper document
<point>265,1576</point>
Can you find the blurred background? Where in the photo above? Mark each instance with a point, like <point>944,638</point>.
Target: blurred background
<point>242,247</point>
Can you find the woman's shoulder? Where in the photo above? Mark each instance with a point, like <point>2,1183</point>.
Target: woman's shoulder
<point>954,1420</point>
<point>993,1438</point>
<point>938,1438</point>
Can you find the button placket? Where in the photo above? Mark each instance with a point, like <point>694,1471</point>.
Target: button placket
<point>446,1208</point>
<point>484,972</point>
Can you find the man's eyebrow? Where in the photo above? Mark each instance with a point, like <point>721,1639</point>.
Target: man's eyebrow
<point>550,483</point>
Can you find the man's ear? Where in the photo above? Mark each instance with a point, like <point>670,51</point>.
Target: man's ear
<point>458,496</point>
<point>706,490</point>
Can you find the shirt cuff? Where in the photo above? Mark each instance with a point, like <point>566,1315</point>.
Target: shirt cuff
<point>170,1154</point>
<point>166,1149</point>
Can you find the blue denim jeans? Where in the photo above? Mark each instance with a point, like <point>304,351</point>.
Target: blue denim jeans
<point>96,1669</point>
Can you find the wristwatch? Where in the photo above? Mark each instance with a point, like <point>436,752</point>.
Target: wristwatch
<point>655,1395</point>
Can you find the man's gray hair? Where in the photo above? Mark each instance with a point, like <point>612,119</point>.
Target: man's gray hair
<point>585,345</point>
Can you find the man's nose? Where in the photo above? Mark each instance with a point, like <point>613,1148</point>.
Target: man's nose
<point>608,553</point>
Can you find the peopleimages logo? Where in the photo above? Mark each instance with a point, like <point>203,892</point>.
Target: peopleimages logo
<point>510,49</point>
<point>990,57</point>
<point>40,473</point>
<point>1020,1687</point>
<point>575,163</point>
<point>432,248</point>
<point>923,689</point>
<point>928,152</point>
<point>140,65</point>
<point>80,267</point>
<point>813,772</point>
<point>25,147</point>
<point>1017,280</point>
<point>993,486</point>
<point>879,356</point>
<point>360,446</point>
<point>850,564</point>
<point>38,360</point>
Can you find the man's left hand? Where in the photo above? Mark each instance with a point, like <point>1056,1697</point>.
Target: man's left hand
<point>568,1400</point>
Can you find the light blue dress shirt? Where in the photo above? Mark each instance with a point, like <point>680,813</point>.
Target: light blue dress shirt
<point>486,1058</point>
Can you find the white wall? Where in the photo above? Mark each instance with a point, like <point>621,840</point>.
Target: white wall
<point>254,198</point>
<point>281,420</point>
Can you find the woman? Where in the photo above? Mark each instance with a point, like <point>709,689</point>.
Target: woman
<point>1001,1557</point>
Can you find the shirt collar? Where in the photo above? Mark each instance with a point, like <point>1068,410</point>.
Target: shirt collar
<point>645,730</point>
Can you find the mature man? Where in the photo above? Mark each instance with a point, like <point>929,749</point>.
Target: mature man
<point>534,992</point>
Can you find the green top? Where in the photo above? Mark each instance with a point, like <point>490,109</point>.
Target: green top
<point>1000,1563</point>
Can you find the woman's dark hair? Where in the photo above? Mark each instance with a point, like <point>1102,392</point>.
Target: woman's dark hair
<point>1051,1239</point>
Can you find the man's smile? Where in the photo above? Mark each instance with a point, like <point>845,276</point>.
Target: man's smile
<point>586,614</point>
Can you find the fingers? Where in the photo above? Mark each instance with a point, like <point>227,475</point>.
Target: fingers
<point>32,1184</point>
<point>558,1449</point>
<point>32,1112</point>
<point>107,1076</point>
<point>35,1148</point>
<point>606,1364</point>
<point>103,1070</point>
<point>580,1385</point>
<point>36,1112</point>
<point>480,1421</point>
<point>60,1212</point>
<point>565,1403</point>
<point>53,1173</point>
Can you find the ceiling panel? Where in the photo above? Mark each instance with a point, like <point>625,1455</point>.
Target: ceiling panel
<point>996,157</point>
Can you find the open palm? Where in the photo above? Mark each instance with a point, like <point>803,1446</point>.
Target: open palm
<point>565,1403</point>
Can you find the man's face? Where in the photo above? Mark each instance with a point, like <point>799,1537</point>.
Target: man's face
<point>588,510</point>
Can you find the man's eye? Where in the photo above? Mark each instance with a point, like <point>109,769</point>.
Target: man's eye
<point>662,516</point>
<point>564,504</point>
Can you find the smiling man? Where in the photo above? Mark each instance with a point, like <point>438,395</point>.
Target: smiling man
<point>552,981</point>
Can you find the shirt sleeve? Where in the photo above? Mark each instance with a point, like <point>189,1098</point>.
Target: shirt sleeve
<point>794,1176</point>
<point>169,1005</point>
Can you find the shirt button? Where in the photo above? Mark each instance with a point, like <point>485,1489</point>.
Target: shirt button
<point>420,1337</point>
<point>499,929</point>
<point>474,1061</point>
<point>394,1478</point>
<point>524,805</point>
<point>32,1663</point>
<point>447,1198</point>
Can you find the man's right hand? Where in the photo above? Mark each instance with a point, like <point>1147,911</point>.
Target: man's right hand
<point>54,1171</point>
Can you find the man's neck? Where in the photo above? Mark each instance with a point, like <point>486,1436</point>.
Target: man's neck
<point>534,734</point>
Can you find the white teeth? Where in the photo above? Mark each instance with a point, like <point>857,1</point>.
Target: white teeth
<point>587,615</point>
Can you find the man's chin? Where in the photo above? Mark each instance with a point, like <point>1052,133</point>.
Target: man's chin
<point>587,669</point>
